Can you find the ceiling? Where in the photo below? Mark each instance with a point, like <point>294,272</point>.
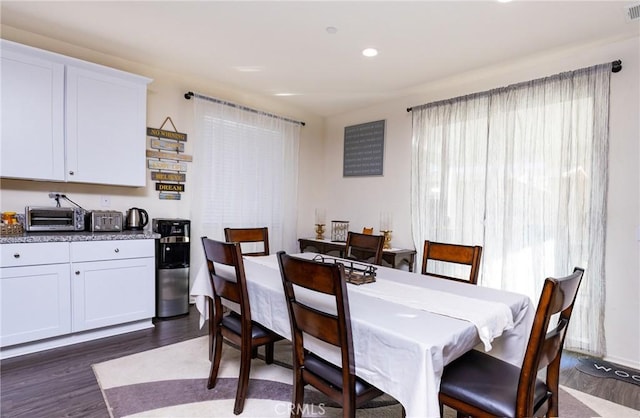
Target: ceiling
<point>275,47</point>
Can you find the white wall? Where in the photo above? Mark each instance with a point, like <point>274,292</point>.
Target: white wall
<point>360,200</point>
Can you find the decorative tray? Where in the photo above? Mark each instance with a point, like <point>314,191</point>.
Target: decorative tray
<point>354,272</point>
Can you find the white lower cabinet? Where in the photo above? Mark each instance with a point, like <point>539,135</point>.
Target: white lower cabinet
<point>54,294</point>
<point>112,292</point>
<point>36,303</point>
<point>112,282</point>
<point>35,292</point>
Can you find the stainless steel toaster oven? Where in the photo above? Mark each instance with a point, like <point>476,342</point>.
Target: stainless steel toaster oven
<point>45,218</point>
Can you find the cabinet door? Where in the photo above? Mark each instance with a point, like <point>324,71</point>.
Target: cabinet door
<point>32,137</point>
<point>106,133</point>
<point>112,292</point>
<point>35,303</point>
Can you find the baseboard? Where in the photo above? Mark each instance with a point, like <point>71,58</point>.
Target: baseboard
<point>69,339</point>
<point>623,362</point>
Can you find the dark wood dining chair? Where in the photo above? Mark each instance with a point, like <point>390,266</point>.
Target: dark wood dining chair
<point>481,385</point>
<point>453,253</point>
<point>364,247</point>
<point>237,328</point>
<point>340,384</point>
<point>249,235</point>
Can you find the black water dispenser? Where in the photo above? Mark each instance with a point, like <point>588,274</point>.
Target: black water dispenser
<point>172,266</point>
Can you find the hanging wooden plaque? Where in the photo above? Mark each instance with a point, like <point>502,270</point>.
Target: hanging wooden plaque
<point>169,196</point>
<point>170,187</point>
<point>167,156</point>
<point>163,165</point>
<point>161,133</point>
<point>179,177</point>
<point>167,145</point>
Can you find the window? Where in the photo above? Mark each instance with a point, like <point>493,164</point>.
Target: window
<point>246,174</point>
<point>522,171</point>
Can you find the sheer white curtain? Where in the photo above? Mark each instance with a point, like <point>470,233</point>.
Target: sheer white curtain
<point>245,174</point>
<point>522,171</point>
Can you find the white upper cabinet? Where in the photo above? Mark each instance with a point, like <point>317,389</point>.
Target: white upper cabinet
<point>32,116</point>
<point>65,119</point>
<point>106,132</point>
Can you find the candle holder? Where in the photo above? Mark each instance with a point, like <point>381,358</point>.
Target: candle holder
<point>387,239</point>
<point>319,231</point>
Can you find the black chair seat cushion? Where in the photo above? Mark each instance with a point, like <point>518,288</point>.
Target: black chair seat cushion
<point>233,321</point>
<point>332,373</point>
<point>488,383</point>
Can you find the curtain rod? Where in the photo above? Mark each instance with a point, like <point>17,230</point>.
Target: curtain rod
<point>616,67</point>
<point>190,94</point>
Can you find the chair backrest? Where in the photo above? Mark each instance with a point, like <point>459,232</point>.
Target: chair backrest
<point>228,282</point>
<point>331,325</point>
<point>249,235</point>
<point>453,253</point>
<point>364,247</point>
<point>544,348</point>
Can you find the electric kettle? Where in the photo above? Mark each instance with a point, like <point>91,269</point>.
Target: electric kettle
<point>136,219</point>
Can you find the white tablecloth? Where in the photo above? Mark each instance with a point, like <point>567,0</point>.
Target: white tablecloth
<point>400,348</point>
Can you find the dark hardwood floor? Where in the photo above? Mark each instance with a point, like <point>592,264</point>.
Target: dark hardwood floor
<point>61,383</point>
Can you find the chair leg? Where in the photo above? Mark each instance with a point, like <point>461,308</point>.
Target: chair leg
<point>254,352</point>
<point>298,394</point>
<point>243,379</point>
<point>268,353</point>
<point>212,329</point>
<point>349,409</point>
<point>215,362</point>
<point>553,405</point>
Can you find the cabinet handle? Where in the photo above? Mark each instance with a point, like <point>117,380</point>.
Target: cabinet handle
<point>16,255</point>
<point>117,250</point>
<point>77,272</point>
<point>71,173</point>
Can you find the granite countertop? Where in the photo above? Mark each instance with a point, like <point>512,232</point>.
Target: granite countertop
<point>28,237</point>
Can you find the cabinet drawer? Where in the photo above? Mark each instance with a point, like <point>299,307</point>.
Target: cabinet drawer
<point>112,250</point>
<point>34,253</point>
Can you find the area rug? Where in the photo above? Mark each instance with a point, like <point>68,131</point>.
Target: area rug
<point>171,382</point>
<point>600,368</point>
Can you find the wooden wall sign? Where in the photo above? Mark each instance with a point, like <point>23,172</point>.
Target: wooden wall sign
<point>165,165</point>
<point>160,176</point>
<point>160,133</point>
<point>169,187</point>
<point>167,145</point>
<point>168,155</point>
<point>169,196</point>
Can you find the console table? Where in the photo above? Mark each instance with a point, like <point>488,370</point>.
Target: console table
<point>394,257</point>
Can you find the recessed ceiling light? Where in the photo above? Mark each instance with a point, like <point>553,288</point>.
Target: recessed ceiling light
<point>331,29</point>
<point>248,69</point>
<point>369,52</point>
<point>286,94</point>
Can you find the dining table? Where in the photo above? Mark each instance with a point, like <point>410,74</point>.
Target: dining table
<point>405,326</point>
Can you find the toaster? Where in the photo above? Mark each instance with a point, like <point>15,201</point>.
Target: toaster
<point>104,221</point>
